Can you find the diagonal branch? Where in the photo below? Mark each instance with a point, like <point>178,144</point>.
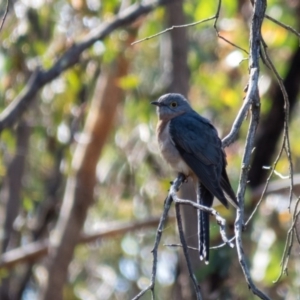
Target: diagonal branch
<point>214,17</point>
<point>220,220</point>
<point>286,138</point>
<point>218,33</point>
<point>174,187</point>
<point>287,148</point>
<point>41,77</point>
<point>36,250</point>
<point>172,196</point>
<point>287,27</point>
<point>174,27</point>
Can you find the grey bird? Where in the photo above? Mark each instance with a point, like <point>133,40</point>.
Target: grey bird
<point>190,144</point>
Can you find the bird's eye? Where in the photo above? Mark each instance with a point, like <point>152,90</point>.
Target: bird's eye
<point>173,104</point>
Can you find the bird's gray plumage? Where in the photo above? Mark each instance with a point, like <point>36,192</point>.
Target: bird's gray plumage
<point>190,144</point>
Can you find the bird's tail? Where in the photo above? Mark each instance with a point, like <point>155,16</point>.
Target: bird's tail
<point>204,197</point>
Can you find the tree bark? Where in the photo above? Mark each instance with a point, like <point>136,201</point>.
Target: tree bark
<point>79,191</point>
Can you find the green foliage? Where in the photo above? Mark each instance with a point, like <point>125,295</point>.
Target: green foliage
<point>132,179</point>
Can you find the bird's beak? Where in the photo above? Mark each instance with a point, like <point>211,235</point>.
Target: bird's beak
<point>156,103</point>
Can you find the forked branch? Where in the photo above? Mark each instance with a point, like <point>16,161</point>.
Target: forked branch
<point>172,197</point>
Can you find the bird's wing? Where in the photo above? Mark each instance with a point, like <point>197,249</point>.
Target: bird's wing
<point>200,147</point>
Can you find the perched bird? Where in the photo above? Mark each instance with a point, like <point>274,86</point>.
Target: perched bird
<point>190,144</point>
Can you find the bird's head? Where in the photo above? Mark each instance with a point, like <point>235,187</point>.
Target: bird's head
<point>171,105</point>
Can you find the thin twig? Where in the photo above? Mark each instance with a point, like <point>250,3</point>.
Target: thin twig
<point>287,148</point>
<point>180,245</point>
<point>266,185</point>
<point>174,188</point>
<point>218,33</point>
<point>172,28</point>
<point>241,192</point>
<point>231,137</point>
<point>186,254</point>
<point>172,196</point>
<point>296,228</point>
<point>287,249</point>
<point>196,249</point>
<point>39,78</point>
<point>252,96</point>
<point>286,109</point>
<point>222,245</point>
<point>287,27</point>
<point>220,221</point>
<point>215,17</point>
<point>295,217</point>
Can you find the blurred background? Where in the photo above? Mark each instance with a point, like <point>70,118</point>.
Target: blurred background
<point>80,162</point>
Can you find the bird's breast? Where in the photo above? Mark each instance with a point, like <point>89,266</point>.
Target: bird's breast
<point>169,151</point>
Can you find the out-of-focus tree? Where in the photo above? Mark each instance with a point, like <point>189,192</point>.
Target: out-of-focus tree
<point>79,155</point>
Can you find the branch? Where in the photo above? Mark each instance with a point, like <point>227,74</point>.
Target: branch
<point>172,28</point>
<point>231,137</point>
<point>36,250</point>
<point>218,33</point>
<point>266,185</point>
<point>280,186</point>
<point>40,77</point>
<point>286,108</point>
<point>287,27</point>
<point>286,146</point>
<point>5,15</point>
<point>174,188</point>
<point>172,196</point>
<point>289,244</point>
<point>286,138</point>
<point>220,221</point>
<point>252,97</point>
<point>215,17</point>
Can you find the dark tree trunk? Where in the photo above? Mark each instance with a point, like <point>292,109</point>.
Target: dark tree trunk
<point>10,195</point>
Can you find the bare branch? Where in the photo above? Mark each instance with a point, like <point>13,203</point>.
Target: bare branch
<point>230,138</point>
<point>286,141</point>
<point>218,33</point>
<point>215,17</point>
<point>220,221</point>
<point>40,77</point>
<point>172,28</point>
<point>288,247</point>
<point>252,97</point>
<point>277,187</point>
<point>5,15</point>
<point>185,251</point>
<point>174,188</point>
<point>262,195</point>
<point>34,251</point>
<point>180,245</point>
<point>172,196</point>
<point>287,148</point>
<point>287,27</point>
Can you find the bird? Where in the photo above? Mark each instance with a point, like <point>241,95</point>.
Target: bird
<point>191,146</point>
